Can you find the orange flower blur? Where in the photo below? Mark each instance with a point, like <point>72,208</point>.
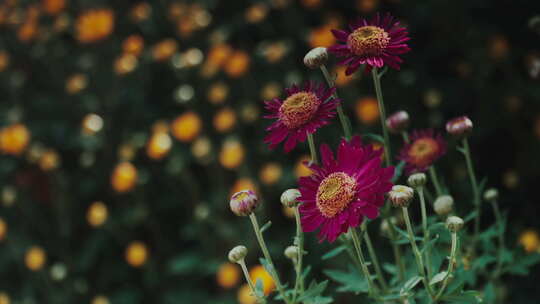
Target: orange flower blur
<point>94,25</point>
<point>14,139</point>
<point>124,177</point>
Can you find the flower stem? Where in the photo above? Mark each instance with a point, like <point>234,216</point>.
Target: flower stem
<point>417,255</point>
<point>405,136</point>
<point>475,190</point>
<point>396,249</point>
<point>425,229</point>
<point>499,219</point>
<point>451,263</point>
<point>250,283</point>
<point>312,149</point>
<point>373,257</point>
<point>382,114</point>
<point>358,246</point>
<point>299,285</point>
<point>342,117</point>
<point>435,180</point>
<point>268,258</point>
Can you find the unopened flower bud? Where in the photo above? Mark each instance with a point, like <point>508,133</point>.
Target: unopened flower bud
<point>316,57</point>
<point>417,180</point>
<point>454,223</point>
<point>491,194</point>
<point>443,204</point>
<point>401,196</point>
<point>290,197</point>
<point>291,252</point>
<point>397,122</point>
<point>459,126</point>
<point>243,203</point>
<point>385,225</point>
<point>237,254</point>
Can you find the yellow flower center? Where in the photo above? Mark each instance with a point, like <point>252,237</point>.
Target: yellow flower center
<point>422,151</point>
<point>368,41</point>
<point>335,193</point>
<point>298,109</point>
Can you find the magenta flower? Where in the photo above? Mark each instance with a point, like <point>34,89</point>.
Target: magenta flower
<point>424,148</point>
<point>375,43</point>
<point>342,191</point>
<point>301,113</point>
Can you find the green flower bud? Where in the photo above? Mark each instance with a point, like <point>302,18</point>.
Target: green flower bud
<point>237,254</point>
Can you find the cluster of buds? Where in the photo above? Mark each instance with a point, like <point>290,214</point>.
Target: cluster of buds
<point>243,203</point>
<point>397,122</point>
<point>459,126</point>
<point>401,196</point>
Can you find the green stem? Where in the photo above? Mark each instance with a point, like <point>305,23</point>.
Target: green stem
<point>268,258</point>
<point>417,255</point>
<point>405,136</point>
<point>374,258</point>
<point>451,263</point>
<point>475,190</point>
<point>425,230</point>
<point>250,283</point>
<point>435,180</point>
<point>299,285</point>
<point>382,114</point>
<point>342,117</point>
<point>499,219</point>
<point>396,249</point>
<point>312,149</point>
<point>363,267</point>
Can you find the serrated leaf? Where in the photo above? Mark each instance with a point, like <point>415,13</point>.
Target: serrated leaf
<point>266,226</point>
<point>334,252</point>
<point>438,277</point>
<point>410,284</point>
<point>350,281</point>
<point>314,290</point>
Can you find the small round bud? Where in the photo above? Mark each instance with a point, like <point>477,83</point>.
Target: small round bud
<point>459,126</point>
<point>316,57</point>
<point>385,225</point>
<point>290,197</point>
<point>401,196</point>
<point>417,180</point>
<point>491,194</point>
<point>237,254</point>
<point>397,122</point>
<point>243,203</point>
<point>454,223</point>
<point>443,205</point>
<point>291,252</point>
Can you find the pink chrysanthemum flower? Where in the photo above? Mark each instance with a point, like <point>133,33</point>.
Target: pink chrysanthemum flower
<point>301,113</point>
<point>342,191</point>
<point>424,148</point>
<point>375,43</point>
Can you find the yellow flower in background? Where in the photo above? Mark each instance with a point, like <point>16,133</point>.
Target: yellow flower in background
<point>94,25</point>
<point>186,127</point>
<point>245,296</point>
<point>270,91</point>
<point>367,110</point>
<point>35,258</point>
<point>201,147</point>
<point>274,52</point>
<point>124,177</point>
<point>136,254</point>
<point>270,173</point>
<point>159,145</point>
<point>237,64</point>
<point>49,160</point>
<point>28,30</point>
<point>141,11</point>
<point>322,36</point>
<point>250,112</point>
<point>3,229</point>
<point>133,44</point>
<point>228,275</point>
<point>100,300</point>
<point>4,298</point>
<point>224,120</point>
<point>530,240</point>
<point>300,169</point>
<point>53,7</point>
<point>311,3</point>
<point>4,60</point>
<point>256,13</point>
<point>164,50</point>
<point>367,6</point>
<point>219,54</point>
<point>259,273</point>
<point>76,83</point>
<point>125,64</point>
<point>243,184</point>
<point>342,79</point>
<point>232,154</point>
<point>14,139</point>
<point>218,93</point>
<point>96,214</point>
<point>92,123</point>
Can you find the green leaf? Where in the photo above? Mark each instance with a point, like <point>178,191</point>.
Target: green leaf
<point>438,277</point>
<point>266,226</point>
<point>470,216</point>
<point>334,252</point>
<point>466,297</point>
<point>410,284</point>
<point>398,170</point>
<point>351,281</point>
<point>374,137</point>
<point>522,264</point>
<point>460,149</point>
<point>489,293</point>
<point>314,290</point>
<point>259,288</point>
<point>266,265</point>
<point>481,262</point>
<point>430,244</point>
<point>390,268</point>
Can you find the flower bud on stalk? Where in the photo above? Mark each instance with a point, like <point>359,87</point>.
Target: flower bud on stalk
<point>401,196</point>
<point>459,126</point>
<point>417,180</point>
<point>237,254</point>
<point>289,198</point>
<point>397,122</point>
<point>291,252</point>
<point>491,194</point>
<point>454,223</point>
<point>316,57</point>
<point>243,203</point>
<point>443,205</point>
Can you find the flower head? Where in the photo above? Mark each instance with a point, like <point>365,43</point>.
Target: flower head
<point>401,196</point>
<point>301,113</point>
<point>375,43</point>
<point>243,203</point>
<point>459,126</point>
<point>290,197</point>
<point>343,190</point>
<point>424,148</point>
<point>397,122</point>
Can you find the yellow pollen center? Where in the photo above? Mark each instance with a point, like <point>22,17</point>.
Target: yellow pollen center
<point>368,41</point>
<point>422,151</point>
<point>298,109</point>
<point>335,193</point>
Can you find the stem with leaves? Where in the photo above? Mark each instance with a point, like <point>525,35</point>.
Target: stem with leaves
<point>500,224</point>
<point>242,263</point>
<point>342,117</point>
<point>299,242</point>
<point>373,290</point>
<point>373,256</point>
<point>425,229</point>
<point>451,263</point>
<point>475,189</point>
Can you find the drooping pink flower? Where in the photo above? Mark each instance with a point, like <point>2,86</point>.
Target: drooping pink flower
<point>423,149</point>
<point>302,112</point>
<point>343,190</point>
<point>375,43</point>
